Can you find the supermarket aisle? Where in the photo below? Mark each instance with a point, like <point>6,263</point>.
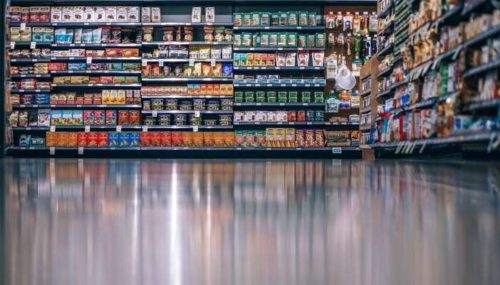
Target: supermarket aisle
<point>251,222</point>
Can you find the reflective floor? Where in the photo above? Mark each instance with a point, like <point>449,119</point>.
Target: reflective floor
<point>250,222</point>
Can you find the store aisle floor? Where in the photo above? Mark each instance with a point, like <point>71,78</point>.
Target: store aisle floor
<point>250,222</point>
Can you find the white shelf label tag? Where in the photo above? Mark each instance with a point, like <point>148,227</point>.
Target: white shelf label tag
<point>118,129</point>
<point>52,150</point>
<point>145,128</point>
<point>89,60</point>
<point>336,150</point>
<point>52,128</point>
<point>144,63</point>
<point>12,45</point>
<point>33,45</point>
<point>195,129</point>
<point>212,62</point>
<point>197,114</point>
<point>191,62</point>
<point>80,150</point>
<point>23,26</point>
<point>161,62</point>
<point>155,114</point>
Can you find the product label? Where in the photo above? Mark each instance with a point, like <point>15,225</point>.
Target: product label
<point>80,150</point>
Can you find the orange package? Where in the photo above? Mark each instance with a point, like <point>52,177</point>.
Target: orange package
<point>177,139</point>
<point>73,139</point>
<point>51,139</point>
<point>218,139</point>
<point>229,139</point>
<point>210,89</point>
<point>155,139</point>
<point>198,139</point>
<point>62,139</point>
<point>166,139</point>
<point>208,139</point>
<point>187,138</point>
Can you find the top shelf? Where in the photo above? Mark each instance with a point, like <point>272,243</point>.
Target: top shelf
<point>279,28</point>
<point>127,24</point>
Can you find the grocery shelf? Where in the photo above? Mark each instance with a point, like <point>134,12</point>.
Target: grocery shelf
<point>315,123</point>
<point>78,24</point>
<point>399,84</point>
<point>96,85</point>
<point>93,45</point>
<point>489,33</point>
<point>278,68</point>
<point>13,76</point>
<point>451,52</point>
<point>178,43</point>
<point>187,79</point>
<point>30,90</point>
<point>116,72</point>
<point>163,24</point>
<point>184,60</point>
<point>188,127</point>
<point>384,93</point>
<point>279,28</point>
<point>277,48</point>
<point>277,85</point>
<point>452,14</point>
<point>186,96</point>
<point>30,60</point>
<point>104,58</point>
<point>386,50</point>
<point>77,106</point>
<point>78,128</point>
<point>366,92</point>
<point>385,72</point>
<point>279,104</point>
<point>187,152</point>
<point>185,112</point>
<point>482,105</point>
<point>494,65</point>
<point>29,44</point>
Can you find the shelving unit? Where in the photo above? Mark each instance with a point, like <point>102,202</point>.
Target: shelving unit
<point>33,101</point>
<point>453,118</point>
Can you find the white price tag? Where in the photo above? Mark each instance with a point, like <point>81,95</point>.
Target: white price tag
<point>80,150</point>
<point>336,150</point>
<point>155,114</point>
<point>197,114</point>
<point>33,45</point>
<point>302,67</point>
<point>118,129</point>
<point>309,123</point>
<point>52,150</point>
<point>145,128</point>
<point>161,62</point>
<point>191,62</point>
<point>195,129</point>
<point>212,62</point>
<point>87,129</point>
<point>89,60</point>
<point>23,26</point>
<point>144,63</point>
<point>12,45</point>
<point>52,128</point>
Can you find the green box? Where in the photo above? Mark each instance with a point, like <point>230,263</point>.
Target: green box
<point>238,96</point>
<point>319,97</point>
<point>306,96</point>
<point>249,97</point>
<point>293,97</point>
<point>271,96</point>
<point>282,96</point>
<point>292,40</point>
<point>260,96</point>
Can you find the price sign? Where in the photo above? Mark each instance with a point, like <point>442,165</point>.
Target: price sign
<point>118,129</point>
<point>144,63</point>
<point>144,128</point>
<point>87,129</point>
<point>52,150</point>
<point>191,62</point>
<point>89,60</point>
<point>195,129</point>
<point>197,114</point>
<point>212,62</point>
<point>336,150</point>
<point>33,45</point>
<point>155,114</point>
<point>52,128</point>
<point>23,26</point>
<point>161,62</point>
<point>80,150</point>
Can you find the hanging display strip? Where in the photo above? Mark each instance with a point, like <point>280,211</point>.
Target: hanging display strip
<point>446,93</point>
<point>125,79</point>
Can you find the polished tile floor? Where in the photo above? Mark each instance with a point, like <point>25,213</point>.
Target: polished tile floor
<point>250,222</point>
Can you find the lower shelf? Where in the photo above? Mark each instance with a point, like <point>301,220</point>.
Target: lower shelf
<point>186,152</point>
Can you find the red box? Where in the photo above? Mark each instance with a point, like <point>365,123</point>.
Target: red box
<point>123,118</point>
<point>155,139</point>
<point>166,139</point>
<point>145,138</point>
<point>134,117</point>
<point>91,139</point>
<point>177,139</point>
<point>102,139</point>
<point>82,139</point>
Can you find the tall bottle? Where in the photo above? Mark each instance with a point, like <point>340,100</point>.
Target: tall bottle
<point>357,45</point>
<point>368,47</point>
<point>374,44</point>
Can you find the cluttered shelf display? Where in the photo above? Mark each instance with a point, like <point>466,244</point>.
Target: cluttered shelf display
<point>444,81</point>
<point>128,76</point>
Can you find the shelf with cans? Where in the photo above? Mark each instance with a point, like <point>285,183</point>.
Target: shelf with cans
<point>446,85</point>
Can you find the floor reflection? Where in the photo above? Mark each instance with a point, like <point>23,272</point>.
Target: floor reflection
<point>251,222</point>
